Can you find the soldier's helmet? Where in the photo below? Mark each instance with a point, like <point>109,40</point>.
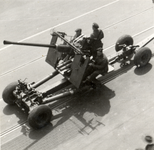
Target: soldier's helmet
<point>78,30</point>
<point>95,25</point>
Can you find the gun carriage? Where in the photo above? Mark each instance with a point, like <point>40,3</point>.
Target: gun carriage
<point>71,61</point>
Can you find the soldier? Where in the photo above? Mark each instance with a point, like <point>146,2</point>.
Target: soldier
<point>78,34</point>
<point>150,145</point>
<point>99,66</point>
<point>96,38</point>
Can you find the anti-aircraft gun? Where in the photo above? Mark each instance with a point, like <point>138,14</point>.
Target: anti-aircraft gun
<point>71,62</point>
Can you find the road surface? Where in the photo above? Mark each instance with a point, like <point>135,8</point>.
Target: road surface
<point>118,115</point>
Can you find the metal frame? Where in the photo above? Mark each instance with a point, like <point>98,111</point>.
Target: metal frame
<point>27,96</point>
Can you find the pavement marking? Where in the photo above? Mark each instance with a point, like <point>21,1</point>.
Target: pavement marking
<point>37,59</point>
<point>23,65</point>
<point>25,122</point>
<point>107,79</point>
<point>128,17</point>
<point>72,20</point>
<point>64,23</point>
<point>13,128</point>
<point>132,36</point>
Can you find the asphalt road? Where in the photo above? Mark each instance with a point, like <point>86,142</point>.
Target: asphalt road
<point>118,115</point>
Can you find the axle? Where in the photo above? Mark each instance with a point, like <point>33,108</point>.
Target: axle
<point>45,79</point>
<point>58,96</point>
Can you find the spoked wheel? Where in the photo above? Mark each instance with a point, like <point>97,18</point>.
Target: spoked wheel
<point>142,57</point>
<point>7,94</point>
<point>39,116</point>
<point>125,39</point>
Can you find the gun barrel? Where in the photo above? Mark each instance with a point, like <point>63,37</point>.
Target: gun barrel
<point>29,44</point>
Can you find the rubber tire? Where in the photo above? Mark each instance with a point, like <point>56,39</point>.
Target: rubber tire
<point>7,94</point>
<point>142,57</point>
<point>39,116</point>
<point>125,39</point>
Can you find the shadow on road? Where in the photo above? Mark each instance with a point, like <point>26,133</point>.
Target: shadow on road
<point>88,109</point>
<point>15,110</point>
<point>143,70</point>
<point>82,115</point>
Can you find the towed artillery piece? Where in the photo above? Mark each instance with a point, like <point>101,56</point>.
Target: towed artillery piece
<point>71,62</point>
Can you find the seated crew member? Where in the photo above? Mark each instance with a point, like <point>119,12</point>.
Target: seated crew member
<point>77,34</point>
<point>96,38</point>
<point>76,37</point>
<point>99,66</point>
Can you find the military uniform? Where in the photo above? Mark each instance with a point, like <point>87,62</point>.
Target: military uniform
<point>78,33</point>
<point>96,38</point>
<point>100,66</point>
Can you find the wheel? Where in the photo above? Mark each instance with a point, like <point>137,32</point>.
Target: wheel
<point>7,94</point>
<point>39,116</point>
<point>125,39</point>
<point>142,57</point>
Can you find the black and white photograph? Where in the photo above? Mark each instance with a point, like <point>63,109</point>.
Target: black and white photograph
<point>77,75</point>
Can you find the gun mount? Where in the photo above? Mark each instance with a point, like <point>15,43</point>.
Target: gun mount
<point>71,62</point>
